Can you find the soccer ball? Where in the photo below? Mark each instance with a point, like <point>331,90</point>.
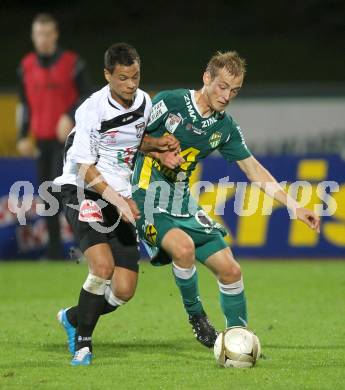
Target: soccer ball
<point>237,347</point>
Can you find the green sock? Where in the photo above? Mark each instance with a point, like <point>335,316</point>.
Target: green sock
<point>234,307</point>
<point>190,293</point>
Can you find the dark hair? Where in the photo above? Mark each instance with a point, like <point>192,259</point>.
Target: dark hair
<point>45,18</point>
<point>120,53</point>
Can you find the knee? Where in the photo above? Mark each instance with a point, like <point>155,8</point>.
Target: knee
<point>104,271</point>
<point>184,254</point>
<point>125,294</point>
<point>230,274</point>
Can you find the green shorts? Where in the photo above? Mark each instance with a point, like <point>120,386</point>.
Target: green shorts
<point>205,233</point>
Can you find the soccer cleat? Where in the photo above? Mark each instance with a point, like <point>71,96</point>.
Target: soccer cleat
<point>82,357</point>
<point>69,329</point>
<point>203,330</point>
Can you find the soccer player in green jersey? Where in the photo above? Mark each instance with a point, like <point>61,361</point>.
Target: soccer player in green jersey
<point>171,222</point>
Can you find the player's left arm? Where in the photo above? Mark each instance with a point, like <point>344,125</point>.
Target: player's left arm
<point>159,144</point>
<point>259,175</point>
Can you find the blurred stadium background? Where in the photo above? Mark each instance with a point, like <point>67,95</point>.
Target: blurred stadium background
<point>291,108</point>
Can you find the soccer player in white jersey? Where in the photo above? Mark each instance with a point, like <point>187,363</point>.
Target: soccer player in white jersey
<point>96,193</point>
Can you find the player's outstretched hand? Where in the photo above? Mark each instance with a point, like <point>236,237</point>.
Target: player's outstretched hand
<point>130,211</point>
<point>168,142</point>
<point>126,207</point>
<point>309,218</point>
<point>171,160</point>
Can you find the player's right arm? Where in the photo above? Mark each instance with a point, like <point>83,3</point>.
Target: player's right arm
<point>259,175</point>
<point>85,155</point>
<point>91,175</point>
<point>235,149</point>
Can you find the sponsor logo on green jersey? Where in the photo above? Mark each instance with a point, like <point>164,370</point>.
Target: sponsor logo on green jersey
<point>158,110</point>
<point>151,234</point>
<point>208,122</point>
<point>190,108</point>
<point>194,129</point>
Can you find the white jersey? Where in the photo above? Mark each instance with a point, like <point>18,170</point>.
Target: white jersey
<point>106,135</point>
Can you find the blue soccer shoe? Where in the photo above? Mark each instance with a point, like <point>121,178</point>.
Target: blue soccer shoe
<point>69,329</point>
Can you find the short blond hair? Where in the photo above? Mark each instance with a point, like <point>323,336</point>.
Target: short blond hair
<point>229,60</point>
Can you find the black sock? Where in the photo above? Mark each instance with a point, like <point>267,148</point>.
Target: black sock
<point>108,308</point>
<point>90,307</point>
<point>72,313</point>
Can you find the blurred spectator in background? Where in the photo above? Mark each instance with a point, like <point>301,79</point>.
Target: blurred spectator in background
<point>53,82</point>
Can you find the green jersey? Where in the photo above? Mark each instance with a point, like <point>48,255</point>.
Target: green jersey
<point>175,112</point>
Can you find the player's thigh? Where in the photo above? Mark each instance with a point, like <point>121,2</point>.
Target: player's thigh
<point>123,242</point>
<point>207,245</point>
<point>100,260</point>
<point>124,283</point>
<point>207,238</point>
<point>223,264</point>
<point>168,235</point>
<point>92,242</point>
<point>85,233</point>
<point>180,246</point>
<point>124,246</point>
<point>154,230</point>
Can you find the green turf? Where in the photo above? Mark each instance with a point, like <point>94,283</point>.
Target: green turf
<point>296,308</point>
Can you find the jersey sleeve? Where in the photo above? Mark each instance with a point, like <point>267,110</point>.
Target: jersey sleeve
<point>159,112</point>
<point>87,135</point>
<point>234,148</point>
<point>148,107</point>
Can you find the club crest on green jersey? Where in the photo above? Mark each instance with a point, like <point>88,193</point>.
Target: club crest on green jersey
<point>215,138</point>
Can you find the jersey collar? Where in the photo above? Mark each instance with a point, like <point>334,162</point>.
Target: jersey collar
<point>218,115</point>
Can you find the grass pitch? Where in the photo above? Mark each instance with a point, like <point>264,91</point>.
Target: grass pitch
<point>297,309</point>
